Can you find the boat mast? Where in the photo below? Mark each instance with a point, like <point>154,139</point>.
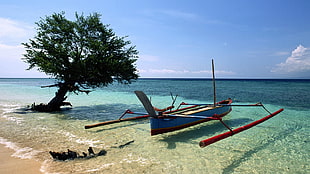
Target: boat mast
<point>213,79</point>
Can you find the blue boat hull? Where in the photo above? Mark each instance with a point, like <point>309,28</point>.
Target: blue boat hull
<point>168,123</point>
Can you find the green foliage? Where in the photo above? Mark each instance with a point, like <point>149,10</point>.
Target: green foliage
<point>84,53</point>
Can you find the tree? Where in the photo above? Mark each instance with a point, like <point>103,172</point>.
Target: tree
<point>81,55</point>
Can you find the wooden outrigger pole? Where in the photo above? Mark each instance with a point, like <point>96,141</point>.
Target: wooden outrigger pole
<point>121,119</point>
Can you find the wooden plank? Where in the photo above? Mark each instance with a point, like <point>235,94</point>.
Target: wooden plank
<point>199,110</point>
<point>146,103</point>
<point>115,121</point>
<point>181,111</point>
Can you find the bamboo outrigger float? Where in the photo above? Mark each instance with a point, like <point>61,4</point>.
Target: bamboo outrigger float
<point>163,121</point>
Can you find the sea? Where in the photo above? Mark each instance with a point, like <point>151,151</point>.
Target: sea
<point>279,145</point>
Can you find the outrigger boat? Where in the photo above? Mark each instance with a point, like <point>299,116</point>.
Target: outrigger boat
<point>163,121</point>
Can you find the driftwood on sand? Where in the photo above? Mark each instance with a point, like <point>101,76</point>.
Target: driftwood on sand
<point>71,155</point>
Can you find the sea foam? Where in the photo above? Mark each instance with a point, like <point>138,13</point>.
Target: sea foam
<point>7,109</point>
<point>91,143</point>
<point>23,153</point>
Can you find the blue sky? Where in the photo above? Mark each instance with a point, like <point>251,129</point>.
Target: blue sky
<point>178,38</point>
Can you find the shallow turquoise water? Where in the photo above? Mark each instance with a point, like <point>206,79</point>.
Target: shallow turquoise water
<point>280,145</point>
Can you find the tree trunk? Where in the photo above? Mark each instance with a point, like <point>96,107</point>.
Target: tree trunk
<point>57,101</point>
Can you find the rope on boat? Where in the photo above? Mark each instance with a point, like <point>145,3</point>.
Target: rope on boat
<point>232,132</point>
<point>265,108</point>
<point>126,112</point>
<point>173,99</point>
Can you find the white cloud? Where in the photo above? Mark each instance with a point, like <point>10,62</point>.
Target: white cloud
<point>217,72</point>
<point>167,71</point>
<point>10,53</point>
<point>14,32</point>
<point>180,73</point>
<point>9,27</point>
<point>10,59</point>
<point>298,62</point>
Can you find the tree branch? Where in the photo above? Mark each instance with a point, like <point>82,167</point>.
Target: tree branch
<point>48,86</point>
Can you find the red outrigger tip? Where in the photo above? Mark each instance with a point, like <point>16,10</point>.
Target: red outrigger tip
<point>219,137</point>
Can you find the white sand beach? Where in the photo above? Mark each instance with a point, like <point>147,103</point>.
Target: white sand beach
<point>13,165</point>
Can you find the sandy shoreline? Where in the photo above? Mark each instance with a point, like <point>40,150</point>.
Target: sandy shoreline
<point>13,165</point>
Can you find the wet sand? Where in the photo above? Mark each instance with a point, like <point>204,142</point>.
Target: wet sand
<point>13,165</point>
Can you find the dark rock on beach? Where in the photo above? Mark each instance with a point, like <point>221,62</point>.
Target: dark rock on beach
<point>71,155</point>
